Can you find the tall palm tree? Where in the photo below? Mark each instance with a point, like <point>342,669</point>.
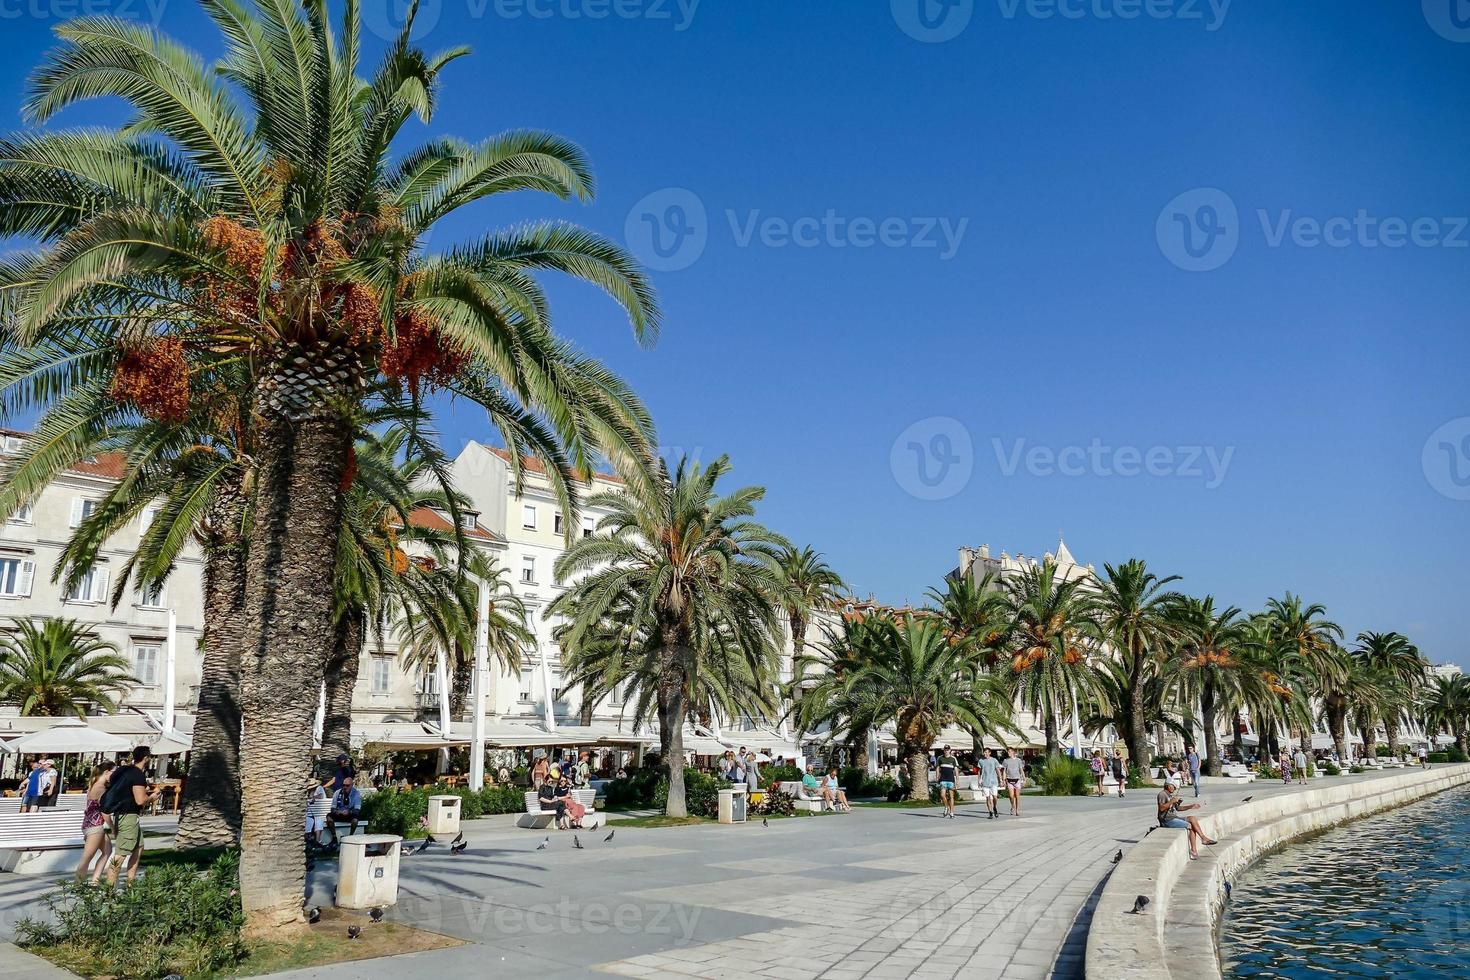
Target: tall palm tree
<point>1446,704</point>
<point>825,675</point>
<point>702,575</point>
<point>260,212</point>
<point>1210,665</point>
<point>1404,671</point>
<point>808,584</point>
<point>975,614</point>
<point>59,667</point>
<point>919,681</point>
<point>1308,642</point>
<point>1133,611</point>
<point>1334,691</point>
<point>1052,621</point>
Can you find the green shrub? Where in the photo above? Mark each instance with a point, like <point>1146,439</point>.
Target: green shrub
<point>173,919</point>
<point>857,784</point>
<point>775,803</point>
<point>1267,771</point>
<point>1064,776</point>
<point>1333,769</point>
<point>1356,768</point>
<point>1453,754</point>
<point>502,799</point>
<point>771,775</point>
<point>1137,778</point>
<point>1382,752</point>
<point>634,791</point>
<point>701,793</point>
<point>394,811</point>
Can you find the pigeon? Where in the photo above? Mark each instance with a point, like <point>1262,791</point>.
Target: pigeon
<point>544,844</point>
<point>376,914</point>
<point>609,837</point>
<point>1119,856</point>
<point>458,848</point>
<point>765,822</point>
<point>459,839</point>
<point>577,843</point>
<point>425,845</point>
<point>354,932</point>
<point>1139,904</point>
<point>1247,799</point>
<point>314,914</point>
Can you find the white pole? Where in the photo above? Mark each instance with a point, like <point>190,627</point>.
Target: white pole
<point>170,665</point>
<point>872,751</point>
<point>321,714</point>
<point>441,684</point>
<point>1076,727</point>
<point>549,707</point>
<point>478,684</point>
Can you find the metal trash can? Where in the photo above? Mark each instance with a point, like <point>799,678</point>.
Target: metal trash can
<point>733,804</point>
<point>444,815</point>
<point>367,871</point>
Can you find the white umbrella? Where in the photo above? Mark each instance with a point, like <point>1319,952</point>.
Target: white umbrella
<point>67,735</point>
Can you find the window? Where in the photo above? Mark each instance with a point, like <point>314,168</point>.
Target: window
<point>92,587</point>
<point>588,523</point>
<point>382,675</point>
<point>557,524</point>
<point>428,680</point>
<point>528,570</point>
<point>615,697</point>
<point>22,515</point>
<point>145,519</point>
<point>145,664</point>
<point>12,444</point>
<point>81,509</point>
<point>153,596</point>
<point>528,517</point>
<point>467,519</point>
<point>526,676</point>
<point>16,576</point>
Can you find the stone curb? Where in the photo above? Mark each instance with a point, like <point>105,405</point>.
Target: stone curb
<point>1185,898</point>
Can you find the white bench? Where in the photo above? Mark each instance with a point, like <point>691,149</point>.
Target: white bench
<point>1238,772</point>
<point>40,843</point>
<point>536,818</point>
<point>66,801</point>
<point>802,798</point>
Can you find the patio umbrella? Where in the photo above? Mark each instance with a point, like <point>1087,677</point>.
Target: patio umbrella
<point>67,735</point>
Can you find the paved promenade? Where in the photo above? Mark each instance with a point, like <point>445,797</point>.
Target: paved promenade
<point>876,893</point>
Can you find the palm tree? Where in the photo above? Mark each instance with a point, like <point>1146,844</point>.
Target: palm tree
<point>59,667</point>
<point>258,212</point>
<point>975,614</point>
<point>825,679</point>
<point>1333,690</point>
<point>701,574</point>
<point>915,678</point>
<point>1210,665</point>
<point>1051,623</point>
<point>1133,611</point>
<point>1446,704</point>
<point>1308,642</point>
<point>1404,671</point>
<point>808,584</point>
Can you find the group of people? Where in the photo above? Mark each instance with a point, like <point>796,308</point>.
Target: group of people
<point>1104,766</point>
<point>990,771</point>
<point>42,786</point>
<point>577,772</point>
<point>554,794</point>
<point>117,798</point>
<point>345,807</point>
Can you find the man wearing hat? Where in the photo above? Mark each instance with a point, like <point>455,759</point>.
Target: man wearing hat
<point>1170,806</point>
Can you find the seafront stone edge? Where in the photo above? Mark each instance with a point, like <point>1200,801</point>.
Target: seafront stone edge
<point>1186,897</point>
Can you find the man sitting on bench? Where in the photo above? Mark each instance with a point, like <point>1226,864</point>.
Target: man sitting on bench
<point>346,808</point>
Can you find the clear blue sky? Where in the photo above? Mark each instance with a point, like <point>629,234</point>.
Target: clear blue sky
<point>1062,318</point>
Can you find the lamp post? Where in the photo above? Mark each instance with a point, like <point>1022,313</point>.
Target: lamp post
<point>478,683</point>
<point>170,668</point>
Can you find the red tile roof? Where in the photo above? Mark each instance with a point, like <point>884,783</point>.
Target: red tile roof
<point>534,465</point>
<point>432,520</point>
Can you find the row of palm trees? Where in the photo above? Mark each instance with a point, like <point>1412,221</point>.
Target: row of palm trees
<point>232,292</point>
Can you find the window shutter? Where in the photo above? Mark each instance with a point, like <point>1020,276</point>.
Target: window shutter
<point>99,585</point>
<point>27,576</point>
<point>76,511</point>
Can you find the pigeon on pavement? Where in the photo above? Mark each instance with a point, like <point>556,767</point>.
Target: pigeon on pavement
<point>1119,856</point>
<point>1139,904</point>
<point>425,845</point>
<point>544,844</point>
<point>459,839</point>
<point>765,822</point>
<point>608,838</point>
<point>458,848</point>
<point>577,843</point>
<point>376,914</point>
<point>1247,799</point>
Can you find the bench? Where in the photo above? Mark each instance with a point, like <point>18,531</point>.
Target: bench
<point>806,800</point>
<point>536,818</point>
<point>66,801</point>
<point>1238,772</point>
<point>40,843</point>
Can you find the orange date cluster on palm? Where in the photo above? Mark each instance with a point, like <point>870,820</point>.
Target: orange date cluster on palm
<point>418,354</point>
<point>1028,658</point>
<point>153,375</point>
<point>1208,658</point>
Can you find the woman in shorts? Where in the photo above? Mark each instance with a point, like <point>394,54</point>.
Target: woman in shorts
<point>94,825</point>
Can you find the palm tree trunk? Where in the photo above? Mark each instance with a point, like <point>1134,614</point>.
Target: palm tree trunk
<point>1337,725</point>
<point>211,797</point>
<point>671,691</point>
<point>341,678</point>
<point>587,707</point>
<point>917,759</point>
<point>1135,735</point>
<point>1049,722</point>
<point>1212,737</point>
<point>857,745</point>
<point>1391,729</point>
<point>289,603</point>
<point>1237,740</point>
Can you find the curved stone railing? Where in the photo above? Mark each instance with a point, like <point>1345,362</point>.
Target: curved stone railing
<point>1185,897</point>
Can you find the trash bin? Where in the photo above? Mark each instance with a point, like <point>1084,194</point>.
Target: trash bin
<point>733,804</point>
<point>444,815</point>
<point>367,871</point>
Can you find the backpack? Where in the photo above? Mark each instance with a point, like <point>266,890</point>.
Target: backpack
<point>115,796</point>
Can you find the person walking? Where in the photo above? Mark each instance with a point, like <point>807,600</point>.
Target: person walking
<point>30,797</point>
<point>1301,766</point>
<point>1099,771</point>
<point>1015,771</point>
<point>990,783</point>
<point>1192,762</point>
<point>128,795</point>
<point>1285,763</point>
<point>752,775</point>
<point>1423,757</point>
<point>1120,771</point>
<point>94,825</point>
<point>949,775</point>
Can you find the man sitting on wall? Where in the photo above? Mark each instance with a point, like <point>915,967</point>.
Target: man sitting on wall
<point>1170,805</point>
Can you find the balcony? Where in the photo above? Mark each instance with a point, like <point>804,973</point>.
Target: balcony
<point>426,701</point>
